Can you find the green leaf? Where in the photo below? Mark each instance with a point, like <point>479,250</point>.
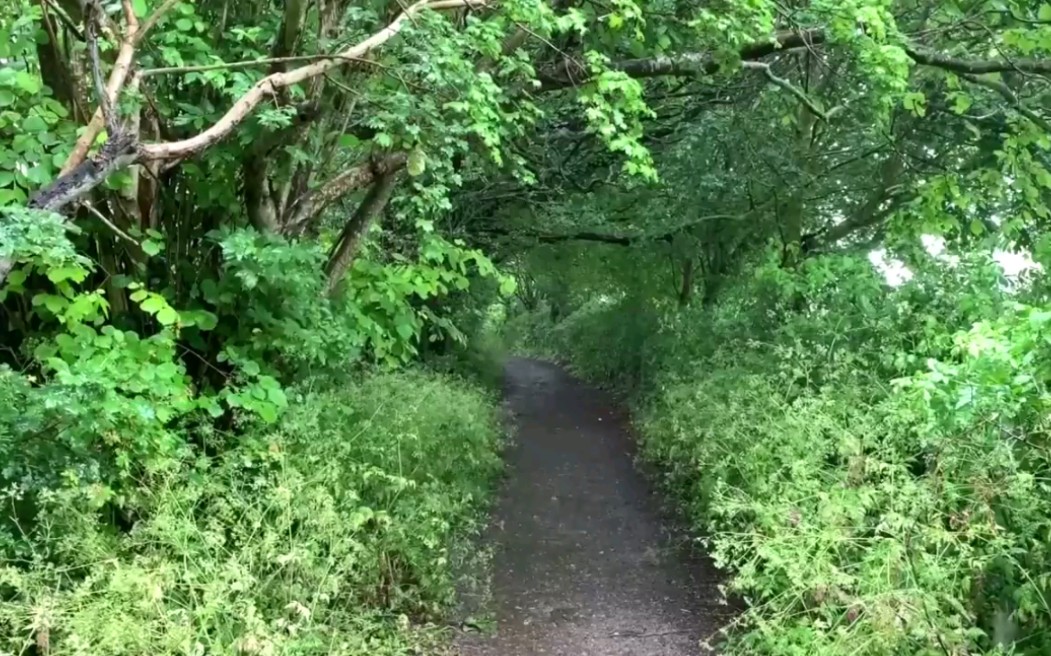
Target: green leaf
<point>205,320</point>
<point>34,123</point>
<point>59,274</point>
<point>16,278</point>
<point>167,316</point>
<point>28,82</point>
<point>155,303</point>
<point>961,103</point>
<point>267,412</point>
<point>276,395</point>
<point>151,247</point>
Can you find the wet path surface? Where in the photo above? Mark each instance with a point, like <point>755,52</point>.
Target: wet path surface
<point>585,564</point>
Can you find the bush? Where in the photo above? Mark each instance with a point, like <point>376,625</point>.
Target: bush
<point>328,534</point>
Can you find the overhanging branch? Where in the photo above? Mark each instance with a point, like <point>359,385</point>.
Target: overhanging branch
<point>926,57</point>
<point>174,151</point>
<point>604,238</point>
<point>690,63</point>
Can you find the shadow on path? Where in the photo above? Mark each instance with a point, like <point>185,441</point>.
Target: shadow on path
<point>585,562</point>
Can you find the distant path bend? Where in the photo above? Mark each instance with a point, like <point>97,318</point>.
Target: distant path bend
<point>585,564</point>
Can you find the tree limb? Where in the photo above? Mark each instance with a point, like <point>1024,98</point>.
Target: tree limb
<point>118,77</point>
<point>63,191</point>
<point>1010,96</point>
<point>308,208</point>
<point>346,247</point>
<point>704,63</point>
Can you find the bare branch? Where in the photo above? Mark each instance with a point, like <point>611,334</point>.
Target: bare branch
<point>153,19</point>
<point>92,18</point>
<point>309,207</point>
<point>703,63</point>
<point>690,63</point>
<point>76,180</point>
<point>117,79</point>
<point>109,224</point>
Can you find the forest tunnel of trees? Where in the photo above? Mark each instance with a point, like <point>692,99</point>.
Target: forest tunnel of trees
<point>249,248</point>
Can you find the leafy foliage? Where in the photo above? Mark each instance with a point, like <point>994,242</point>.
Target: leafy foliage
<point>205,204</point>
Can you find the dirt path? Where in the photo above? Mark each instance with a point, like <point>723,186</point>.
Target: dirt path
<point>584,563</point>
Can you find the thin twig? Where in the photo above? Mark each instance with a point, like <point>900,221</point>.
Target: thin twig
<point>109,224</point>
<point>789,87</point>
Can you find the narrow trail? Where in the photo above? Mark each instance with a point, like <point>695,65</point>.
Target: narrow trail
<point>585,563</point>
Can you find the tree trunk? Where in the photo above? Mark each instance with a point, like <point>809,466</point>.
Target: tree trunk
<point>686,290</point>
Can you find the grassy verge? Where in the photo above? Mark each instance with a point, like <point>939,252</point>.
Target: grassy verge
<point>329,534</point>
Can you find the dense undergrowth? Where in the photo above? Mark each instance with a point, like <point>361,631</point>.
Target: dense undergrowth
<point>328,533</point>
<point>870,463</point>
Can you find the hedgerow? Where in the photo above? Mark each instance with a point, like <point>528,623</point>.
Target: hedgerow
<point>869,466</point>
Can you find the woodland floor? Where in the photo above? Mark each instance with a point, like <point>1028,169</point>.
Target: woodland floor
<point>586,563</point>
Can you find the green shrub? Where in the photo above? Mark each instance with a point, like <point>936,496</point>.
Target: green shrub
<point>327,534</point>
